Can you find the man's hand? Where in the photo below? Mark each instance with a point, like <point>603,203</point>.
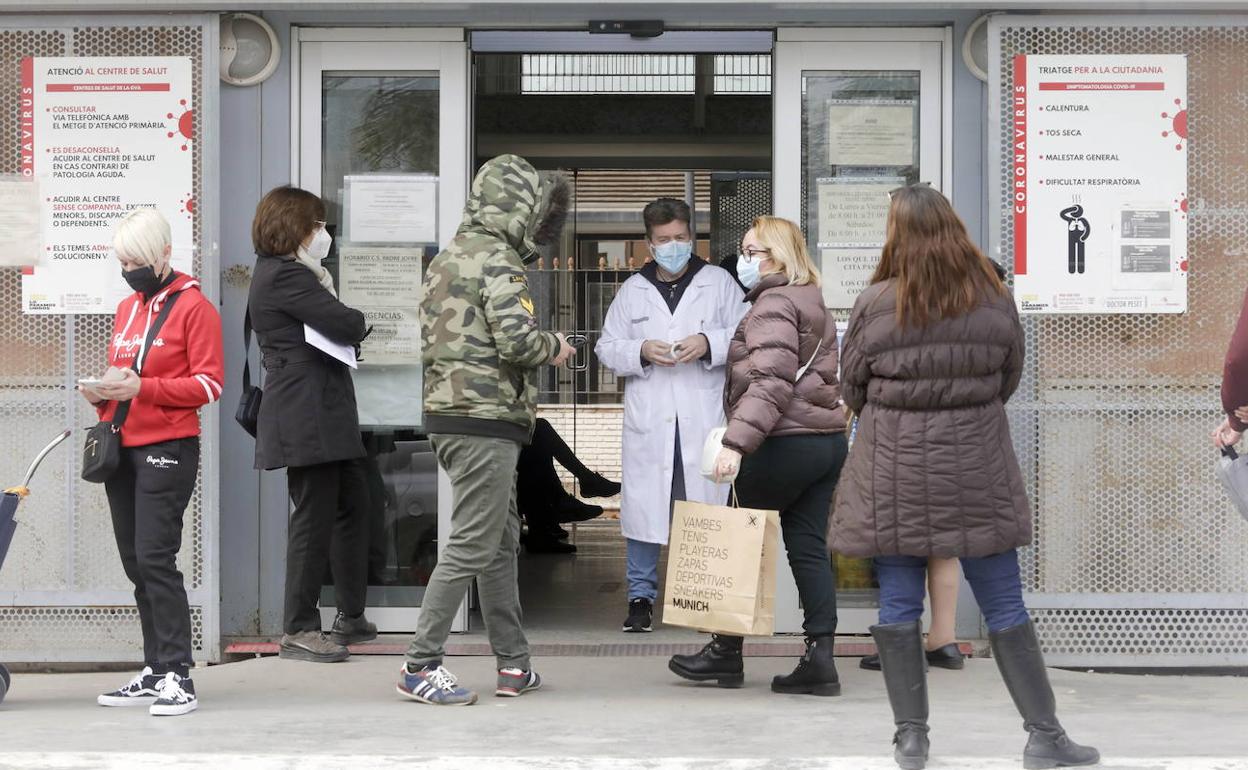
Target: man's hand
<point>657,353</point>
<point>566,351</point>
<point>1224,435</point>
<point>692,348</point>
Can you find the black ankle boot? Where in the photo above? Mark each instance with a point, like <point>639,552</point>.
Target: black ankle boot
<point>816,671</point>
<point>1017,652</point>
<point>901,657</point>
<point>569,510</point>
<point>720,660</point>
<point>597,485</point>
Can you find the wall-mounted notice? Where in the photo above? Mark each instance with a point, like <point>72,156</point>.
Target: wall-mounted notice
<point>103,135</point>
<point>392,208</point>
<point>871,132</point>
<point>1100,184</point>
<point>383,283</point>
<point>853,211</point>
<point>21,238</point>
<point>846,273</point>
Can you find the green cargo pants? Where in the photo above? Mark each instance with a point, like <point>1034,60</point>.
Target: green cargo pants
<point>483,544</point>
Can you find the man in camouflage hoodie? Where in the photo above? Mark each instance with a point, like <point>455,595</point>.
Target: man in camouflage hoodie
<point>482,349</point>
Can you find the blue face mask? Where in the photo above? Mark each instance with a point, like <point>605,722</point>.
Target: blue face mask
<point>747,271</point>
<point>673,255</point>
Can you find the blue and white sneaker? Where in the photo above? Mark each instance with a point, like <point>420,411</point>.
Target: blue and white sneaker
<point>434,685</point>
<point>142,690</point>
<point>514,682</point>
<point>177,697</point>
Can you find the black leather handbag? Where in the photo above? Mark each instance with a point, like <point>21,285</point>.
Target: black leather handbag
<point>101,454</point>
<point>248,413</point>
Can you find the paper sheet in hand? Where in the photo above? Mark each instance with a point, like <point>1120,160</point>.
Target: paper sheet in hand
<point>344,353</point>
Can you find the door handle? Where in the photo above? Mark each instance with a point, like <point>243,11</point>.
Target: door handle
<point>580,361</point>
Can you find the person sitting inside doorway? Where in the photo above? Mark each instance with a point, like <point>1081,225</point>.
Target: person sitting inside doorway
<point>541,497</point>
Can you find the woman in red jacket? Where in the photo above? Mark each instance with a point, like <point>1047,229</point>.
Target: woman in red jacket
<point>1235,385</point>
<point>166,382</point>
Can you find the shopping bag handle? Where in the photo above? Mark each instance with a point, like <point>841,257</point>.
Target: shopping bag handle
<point>1229,453</point>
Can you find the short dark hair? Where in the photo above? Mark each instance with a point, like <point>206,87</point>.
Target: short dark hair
<point>665,211</point>
<point>284,218</point>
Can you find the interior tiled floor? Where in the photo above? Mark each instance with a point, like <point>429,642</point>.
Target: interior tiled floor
<point>583,597</point>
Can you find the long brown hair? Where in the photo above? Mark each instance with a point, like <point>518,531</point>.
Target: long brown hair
<point>938,272</point>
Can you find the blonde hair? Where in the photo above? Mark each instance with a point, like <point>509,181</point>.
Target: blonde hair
<point>142,236</point>
<point>787,250</point>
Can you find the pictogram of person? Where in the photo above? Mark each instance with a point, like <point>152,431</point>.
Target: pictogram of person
<point>1077,234</point>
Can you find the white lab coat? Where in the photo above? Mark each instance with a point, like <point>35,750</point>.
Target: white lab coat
<point>656,396</point>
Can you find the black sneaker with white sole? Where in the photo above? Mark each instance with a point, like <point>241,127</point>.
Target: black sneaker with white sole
<point>141,691</point>
<point>640,617</point>
<point>177,697</point>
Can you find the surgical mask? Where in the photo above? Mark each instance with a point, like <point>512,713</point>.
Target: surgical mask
<point>747,271</point>
<point>142,279</point>
<point>673,255</point>
<point>318,249</point>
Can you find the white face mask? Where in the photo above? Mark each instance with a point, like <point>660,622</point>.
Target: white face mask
<point>748,271</point>
<point>318,249</point>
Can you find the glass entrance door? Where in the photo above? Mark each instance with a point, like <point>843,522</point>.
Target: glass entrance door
<point>858,113</point>
<point>382,137</point>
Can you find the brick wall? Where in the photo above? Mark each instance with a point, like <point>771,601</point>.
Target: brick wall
<point>593,433</point>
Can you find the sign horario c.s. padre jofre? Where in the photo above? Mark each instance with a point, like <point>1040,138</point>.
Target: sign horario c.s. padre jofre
<point>103,135</point>
<point>1099,185</point>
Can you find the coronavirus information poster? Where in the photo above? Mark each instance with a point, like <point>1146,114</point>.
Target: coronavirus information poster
<point>103,136</point>
<point>1099,184</point>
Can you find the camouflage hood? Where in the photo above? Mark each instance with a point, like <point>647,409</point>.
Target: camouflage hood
<point>482,345</point>
<point>510,201</point>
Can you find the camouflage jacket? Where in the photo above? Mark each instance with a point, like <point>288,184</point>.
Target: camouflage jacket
<point>482,346</point>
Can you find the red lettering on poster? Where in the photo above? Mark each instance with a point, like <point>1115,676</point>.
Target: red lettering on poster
<point>83,87</point>
<point>1102,86</point>
<point>1018,195</point>
<point>26,121</point>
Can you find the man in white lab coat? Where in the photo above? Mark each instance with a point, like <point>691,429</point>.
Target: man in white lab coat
<point>667,333</point>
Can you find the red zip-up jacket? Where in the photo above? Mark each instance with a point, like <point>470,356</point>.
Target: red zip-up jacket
<point>1235,371</point>
<point>182,372</point>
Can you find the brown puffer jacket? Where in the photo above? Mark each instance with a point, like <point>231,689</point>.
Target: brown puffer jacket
<point>775,339</point>
<point>932,471</point>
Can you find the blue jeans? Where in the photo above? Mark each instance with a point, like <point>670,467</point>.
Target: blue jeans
<point>643,557</point>
<point>994,579</point>
<point>643,570</point>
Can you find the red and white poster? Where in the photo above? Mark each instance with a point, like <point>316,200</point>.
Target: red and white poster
<point>103,135</point>
<point>1099,187</point>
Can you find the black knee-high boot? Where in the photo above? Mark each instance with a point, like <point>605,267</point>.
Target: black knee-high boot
<point>901,656</point>
<point>1017,652</point>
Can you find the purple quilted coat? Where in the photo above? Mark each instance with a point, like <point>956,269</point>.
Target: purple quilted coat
<point>932,471</point>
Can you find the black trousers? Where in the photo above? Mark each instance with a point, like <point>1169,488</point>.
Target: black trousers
<point>147,497</point>
<point>329,521</point>
<point>538,487</point>
<point>797,476</point>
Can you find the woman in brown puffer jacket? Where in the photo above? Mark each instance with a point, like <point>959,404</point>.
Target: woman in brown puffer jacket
<point>933,350</point>
<point>786,437</point>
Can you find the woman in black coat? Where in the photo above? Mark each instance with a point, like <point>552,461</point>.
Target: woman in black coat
<point>308,423</point>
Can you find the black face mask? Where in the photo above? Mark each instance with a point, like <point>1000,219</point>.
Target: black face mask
<point>143,280</point>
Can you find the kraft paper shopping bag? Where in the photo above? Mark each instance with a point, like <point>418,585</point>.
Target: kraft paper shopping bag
<point>721,569</point>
